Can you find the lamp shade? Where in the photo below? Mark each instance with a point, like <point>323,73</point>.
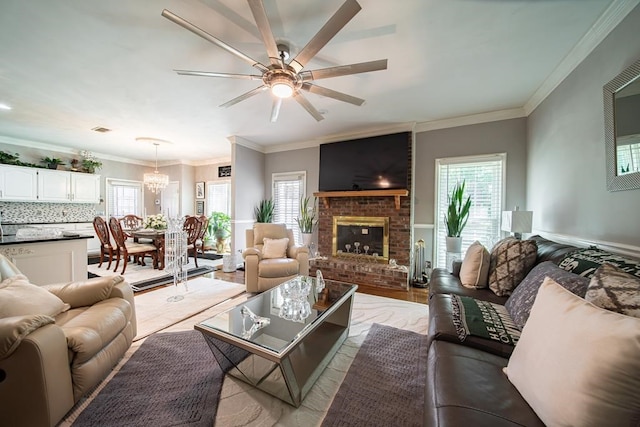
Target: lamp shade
<point>517,221</point>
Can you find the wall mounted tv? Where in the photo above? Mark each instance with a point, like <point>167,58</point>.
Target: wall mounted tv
<point>375,163</point>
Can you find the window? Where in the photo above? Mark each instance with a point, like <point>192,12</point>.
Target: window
<point>124,197</point>
<point>484,182</point>
<point>219,196</point>
<point>628,154</point>
<point>288,189</point>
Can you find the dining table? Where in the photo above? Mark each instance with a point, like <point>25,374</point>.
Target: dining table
<point>157,238</point>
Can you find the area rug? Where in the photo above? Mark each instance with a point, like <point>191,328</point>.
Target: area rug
<point>154,312</point>
<point>385,384</point>
<point>172,380</point>
<point>243,405</point>
<point>144,285</point>
<point>146,277</point>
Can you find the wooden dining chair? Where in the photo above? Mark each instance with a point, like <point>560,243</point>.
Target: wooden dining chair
<point>125,249</point>
<point>102,231</point>
<point>130,223</point>
<point>192,226</point>
<point>204,224</point>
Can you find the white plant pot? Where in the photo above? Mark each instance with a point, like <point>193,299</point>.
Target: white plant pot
<point>307,238</point>
<point>454,244</point>
<point>228,263</point>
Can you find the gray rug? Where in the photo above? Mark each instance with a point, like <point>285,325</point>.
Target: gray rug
<point>171,380</point>
<point>386,382</point>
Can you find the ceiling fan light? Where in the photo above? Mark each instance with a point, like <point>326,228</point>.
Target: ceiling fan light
<point>282,89</point>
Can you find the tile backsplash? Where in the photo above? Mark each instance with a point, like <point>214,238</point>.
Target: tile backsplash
<point>38,213</point>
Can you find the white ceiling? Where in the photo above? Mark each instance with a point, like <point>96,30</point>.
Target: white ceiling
<point>67,66</point>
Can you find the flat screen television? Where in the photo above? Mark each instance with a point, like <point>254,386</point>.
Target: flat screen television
<point>374,163</point>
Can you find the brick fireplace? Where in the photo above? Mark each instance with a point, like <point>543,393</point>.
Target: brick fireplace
<point>360,270</point>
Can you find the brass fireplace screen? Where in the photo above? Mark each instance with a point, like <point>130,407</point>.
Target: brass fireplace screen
<point>361,237</point>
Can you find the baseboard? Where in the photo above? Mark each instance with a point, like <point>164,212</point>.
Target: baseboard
<point>617,248</point>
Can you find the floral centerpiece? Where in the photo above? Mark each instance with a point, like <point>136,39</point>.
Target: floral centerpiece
<point>157,222</point>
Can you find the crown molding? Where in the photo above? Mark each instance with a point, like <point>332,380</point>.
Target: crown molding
<point>609,20</point>
<point>473,119</point>
<point>401,127</point>
<point>234,139</point>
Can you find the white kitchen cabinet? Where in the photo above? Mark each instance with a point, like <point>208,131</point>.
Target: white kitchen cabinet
<point>85,188</point>
<point>54,186</point>
<point>18,183</point>
<point>74,187</point>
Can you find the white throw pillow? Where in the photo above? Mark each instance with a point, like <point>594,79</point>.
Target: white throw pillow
<point>275,248</point>
<point>474,272</point>
<point>18,297</point>
<point>577,364</point>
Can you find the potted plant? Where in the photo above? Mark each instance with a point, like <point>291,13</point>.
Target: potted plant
<point>8,158</point>
<point>219,228</point>
<point>91,165</point>
<point>51,162</point>
<point>456,217</point>
<point>264,211</point>
<point>307,219</point>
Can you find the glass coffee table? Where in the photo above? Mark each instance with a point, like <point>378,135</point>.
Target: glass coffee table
<point>281,340</point>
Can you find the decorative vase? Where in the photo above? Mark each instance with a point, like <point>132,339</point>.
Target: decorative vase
<point>454,244</point>
<point>306,239</point>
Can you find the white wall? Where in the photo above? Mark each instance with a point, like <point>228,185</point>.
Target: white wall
<point>566,170</point>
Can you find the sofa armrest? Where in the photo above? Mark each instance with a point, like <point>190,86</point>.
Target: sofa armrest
<point>37,379</point>
<point>122,289</point>
<point>252,252</point>
<point>302,255</point>
<point>294,251</point>
<point>85,293</point>
<point>14,329</point>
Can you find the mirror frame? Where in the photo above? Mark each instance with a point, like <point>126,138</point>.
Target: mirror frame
<point>617,182</point>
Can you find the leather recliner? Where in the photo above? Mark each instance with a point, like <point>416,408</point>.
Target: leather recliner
<point>47,364</point>
<point>262,273</point>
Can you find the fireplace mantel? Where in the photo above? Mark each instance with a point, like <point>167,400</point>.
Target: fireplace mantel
<point>396,194</point>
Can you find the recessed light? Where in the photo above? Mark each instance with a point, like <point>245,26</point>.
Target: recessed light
<point>4,106</point>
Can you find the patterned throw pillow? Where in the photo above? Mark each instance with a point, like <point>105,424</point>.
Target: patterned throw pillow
<point>613,289</point>
<point>585,262</point>
<point>521,300</point>
<point>511,260</point>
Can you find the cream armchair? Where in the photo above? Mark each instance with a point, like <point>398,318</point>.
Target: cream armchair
<point>265,270</point>
<point>57,342</point>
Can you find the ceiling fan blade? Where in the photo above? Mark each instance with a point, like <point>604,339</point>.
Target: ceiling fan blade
<point>245,96</point>
<point>319,90</point>
<point>202,33</point>
<point>275,110</point>
<point>210,74</point>
<point>307,106</point>
<point>339,19</point>
<point>344,70</point>
<point>260,16</point>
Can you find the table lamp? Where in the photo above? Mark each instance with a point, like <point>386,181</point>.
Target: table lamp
<point>517,222</point>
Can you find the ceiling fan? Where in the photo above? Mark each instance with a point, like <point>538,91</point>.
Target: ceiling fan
<point>287,79</point>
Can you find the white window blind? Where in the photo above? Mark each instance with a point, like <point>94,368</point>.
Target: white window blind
<point>219,197</point>
<point>628,156</point>
<point>124,198</point>
<point>484,182</point>
<point>288,189</point>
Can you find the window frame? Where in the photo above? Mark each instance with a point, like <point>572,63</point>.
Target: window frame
<point>439,241</point>
<point>290,176</point>
<point>210,185</point>
<point>111,182</point>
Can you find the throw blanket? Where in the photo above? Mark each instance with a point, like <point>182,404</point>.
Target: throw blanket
<point>483,319</point>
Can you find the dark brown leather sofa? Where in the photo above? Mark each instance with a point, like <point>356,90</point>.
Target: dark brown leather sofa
<point>465,382</point>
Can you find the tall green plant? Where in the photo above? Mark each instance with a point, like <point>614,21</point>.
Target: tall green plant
<point>307,219</point>
<point>264,211</point>
<point>457,211</point>
<point>219,225</point>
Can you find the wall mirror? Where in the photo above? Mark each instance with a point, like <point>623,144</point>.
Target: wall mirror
<point>622,129</point>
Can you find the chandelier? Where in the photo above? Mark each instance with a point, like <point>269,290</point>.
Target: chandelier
<point>155,181</point>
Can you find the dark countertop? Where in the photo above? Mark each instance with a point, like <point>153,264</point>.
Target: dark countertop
<point>12,240</point>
